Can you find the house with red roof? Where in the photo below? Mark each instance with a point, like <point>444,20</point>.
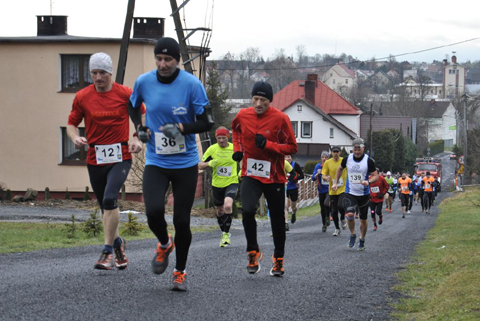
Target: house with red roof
<point>320,117</point>
<point>339,77</point>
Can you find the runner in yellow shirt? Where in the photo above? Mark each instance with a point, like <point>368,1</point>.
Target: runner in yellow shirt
<point>329,171</point>
<point>224,180</point>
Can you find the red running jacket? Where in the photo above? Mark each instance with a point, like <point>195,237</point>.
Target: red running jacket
<point>276,127</point>
<point>378,190</point>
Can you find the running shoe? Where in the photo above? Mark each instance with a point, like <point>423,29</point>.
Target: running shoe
<point>329,220</point>
<point>160,260</point>
<point>179,281</point>
<point>294,218</point>
<point>353,238</point>
<point>337,232</point>
<point>121,261</point>
<point>287,228</point>
<point>254,258</point>
<point>361,245</point>
<point>403,216</point>
<point>225,239</point>
<point>380,219</point>
<point>105,262</point>
<point>344,224</point>
<point>374,227</point>
<point>277,269</point>
<point>408,212</point>
<point>324,228</point>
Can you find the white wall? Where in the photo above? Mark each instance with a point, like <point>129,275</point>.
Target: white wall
<point>320,127</point>
<point>439,128</point>
<point>351,121</point>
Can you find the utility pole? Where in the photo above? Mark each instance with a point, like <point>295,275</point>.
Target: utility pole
<point>371,133</point>
<point>181,37</point>
<point>465,125</point>
<point>122,60</point>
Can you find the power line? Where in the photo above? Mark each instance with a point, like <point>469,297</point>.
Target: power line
<point>357,61</point>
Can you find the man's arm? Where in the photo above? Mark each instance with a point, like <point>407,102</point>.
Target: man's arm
<point>299,170</point>
<point>74,135</point>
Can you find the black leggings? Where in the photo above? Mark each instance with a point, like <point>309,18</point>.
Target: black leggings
<point>335,209</point>
<point>376,208</point>
<point>107,181</point>
<point>155,187</point>
<point>251,190</point>
<point>324,209</point>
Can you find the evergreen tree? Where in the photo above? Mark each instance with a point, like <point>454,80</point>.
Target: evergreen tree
<point>217,98</point>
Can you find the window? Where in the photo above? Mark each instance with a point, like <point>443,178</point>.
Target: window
<point>346,81</point>
<point>299,107</point>
<point>71,155</point>
<point>75,72</point>
<point>333,80</point>
<point>295,127</point>
<point>331,132</point>
<point>306,129</point>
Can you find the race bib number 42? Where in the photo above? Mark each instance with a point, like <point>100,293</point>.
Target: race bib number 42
<point>259,168</point>
<point>107,154</point>
<point>165,145</point>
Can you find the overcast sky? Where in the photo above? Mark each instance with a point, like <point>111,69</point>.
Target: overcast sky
<point>363,29</point>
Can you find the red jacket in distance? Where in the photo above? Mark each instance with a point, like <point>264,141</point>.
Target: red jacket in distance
<point>276,127</point>
<point>378,190</point>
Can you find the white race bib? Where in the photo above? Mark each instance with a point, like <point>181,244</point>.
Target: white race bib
<point>405,188</point>
<point>324,182</point>
<point>165,145</point>
<point>224,171</point>
<point>107,154</point>
<point>375,189</point>
<point>259,168</point>
<point>427,186</point>
<point>356,178</point>
<point>340,182</point>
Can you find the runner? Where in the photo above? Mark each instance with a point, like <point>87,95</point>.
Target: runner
<point>224,180</point>
<point>377,193</point>
<point>405,185</point>
<point>322,186</point>
<point>103,108</point>
<point>357,192</point>
<point>177,108</point>
<point>262,136</point>
<point>289,172</point>
<point>412,193</point>
<point>421,192</point>
<point>292,189</point>
<point>329,170</point>
<point>390,193</point>
<point>427,184</point>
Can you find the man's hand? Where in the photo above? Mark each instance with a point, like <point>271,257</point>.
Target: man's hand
<point>292,176</point>
<point>143,133</point>
<point>135,145</point>
<point>80,142</point>
<point>171,130</point>
<point>237,156</point>
<point>260,141</point>
<point>213,163</point>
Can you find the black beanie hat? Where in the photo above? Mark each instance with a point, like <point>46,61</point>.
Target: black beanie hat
<point>263,89</point>
<point>167,46</point>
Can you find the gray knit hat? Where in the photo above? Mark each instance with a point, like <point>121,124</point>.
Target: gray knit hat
<point>101,61</point>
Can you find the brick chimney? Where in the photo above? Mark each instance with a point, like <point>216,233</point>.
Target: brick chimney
<point>149,28</point>
<point>310,85</point>
<point>51,25</point>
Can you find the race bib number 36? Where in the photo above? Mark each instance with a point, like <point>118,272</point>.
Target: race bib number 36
<point>165,145</point>
<point>107,154</point>
<point>259,168</point>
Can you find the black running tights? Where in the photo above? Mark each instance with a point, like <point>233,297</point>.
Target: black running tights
<point>335,210</point>
<point>155,187</point>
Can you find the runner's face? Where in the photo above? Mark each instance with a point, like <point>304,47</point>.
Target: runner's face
<point>101,79</point>
<point>324,158</point>
<point>260,104</point>
<point>358,151</point>
<point>336,155</point>
<point>166,65</point>
<point>288,158</point>
<point>222,141</point>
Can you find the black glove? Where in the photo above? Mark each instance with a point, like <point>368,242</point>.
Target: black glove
<point>292,177</point>
<point>237,156</point>
<point>171,130</point>
<point>260,141</point>
<point>142,133</point>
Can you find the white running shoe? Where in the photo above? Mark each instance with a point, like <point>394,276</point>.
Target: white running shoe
<point>344,224</point>
<point>337,232</point>
<point>408,212</point>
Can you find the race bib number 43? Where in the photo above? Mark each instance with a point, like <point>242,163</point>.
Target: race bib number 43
<point>107,154</point>
<point>224,171</point>
<point>259,168</point>
<point>165,145</point>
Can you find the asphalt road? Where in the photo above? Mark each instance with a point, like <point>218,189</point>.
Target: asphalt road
<point>324,280</point>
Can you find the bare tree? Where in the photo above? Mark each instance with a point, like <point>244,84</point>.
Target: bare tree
<point>282,70</point>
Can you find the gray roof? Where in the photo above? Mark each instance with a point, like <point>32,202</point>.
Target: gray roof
<point>414,109</point>
<point>67,38</point>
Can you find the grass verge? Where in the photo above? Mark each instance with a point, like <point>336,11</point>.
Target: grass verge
<point>443,281</point>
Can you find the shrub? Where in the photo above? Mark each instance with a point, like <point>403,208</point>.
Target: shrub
<point>93,226</point>
<point>132,226</point>
<point>309,167</point>
<point>86,195</point>
<point>8,195</point>
<point>47,194</point>
<point>71,228</point>
<point>67,194</point>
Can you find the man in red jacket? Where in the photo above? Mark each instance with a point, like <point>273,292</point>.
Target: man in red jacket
<point>262,136</point>
<point>377,193</point>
